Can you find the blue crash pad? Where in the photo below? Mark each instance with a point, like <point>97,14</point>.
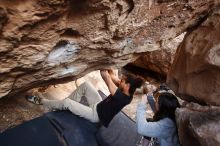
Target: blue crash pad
<point>58,128</point>
<point>37,132</point>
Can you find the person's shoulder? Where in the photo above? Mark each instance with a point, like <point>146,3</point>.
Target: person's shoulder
<point>119,93</point>
<point>167,122</point>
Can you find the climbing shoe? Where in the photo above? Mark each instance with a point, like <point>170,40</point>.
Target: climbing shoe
<point>33,99</point>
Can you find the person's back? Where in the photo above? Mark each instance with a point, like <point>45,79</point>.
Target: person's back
<point>169,137</point>
<point>112,105</point>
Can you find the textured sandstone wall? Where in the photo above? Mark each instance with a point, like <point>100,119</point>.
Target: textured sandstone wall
<point>45,42</point>
<point>161,60</point>
<point>198,125</point>
<point>195,73</point>
<point>195,77</point>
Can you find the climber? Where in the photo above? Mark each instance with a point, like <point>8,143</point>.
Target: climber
<point>162,128</point>
<point>102,111</point>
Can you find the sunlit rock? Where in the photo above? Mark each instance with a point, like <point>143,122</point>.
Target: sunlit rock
<point>195,73</point>
<point>97,34</point>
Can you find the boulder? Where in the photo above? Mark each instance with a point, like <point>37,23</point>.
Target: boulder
<point>195,73</point>
<point>198,125</point>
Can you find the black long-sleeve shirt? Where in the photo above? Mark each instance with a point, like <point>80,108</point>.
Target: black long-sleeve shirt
<point>112,105</point>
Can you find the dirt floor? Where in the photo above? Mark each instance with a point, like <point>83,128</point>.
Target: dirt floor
<point>16,110</point>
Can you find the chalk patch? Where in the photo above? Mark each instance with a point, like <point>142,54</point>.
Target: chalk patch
<point>62,54</point>
<point>125,43</point>
<point>214,55</point>
<point>71,70</point>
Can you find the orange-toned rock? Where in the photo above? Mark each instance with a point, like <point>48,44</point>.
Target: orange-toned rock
<point>160,61</point>
<point>195,73</point>
<point>198,125</point>
<point>52,41</point>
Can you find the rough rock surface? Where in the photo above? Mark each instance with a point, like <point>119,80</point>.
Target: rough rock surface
<point>160,61</point>
<point>198,125</point>
<point>47,42</point>
<point>195,73</point>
